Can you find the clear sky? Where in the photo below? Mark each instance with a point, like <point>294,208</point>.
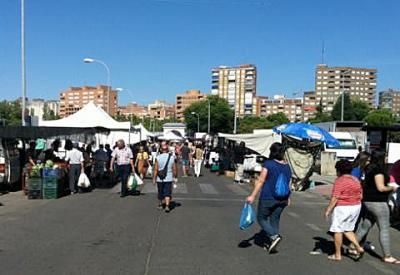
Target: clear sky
<point>158,48</point>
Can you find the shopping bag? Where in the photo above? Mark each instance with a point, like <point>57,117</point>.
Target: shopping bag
<point>83,181</point>
<point>149,171</point>
<point>132,183</point>
<point>139,181</point>
<point>247,217</point>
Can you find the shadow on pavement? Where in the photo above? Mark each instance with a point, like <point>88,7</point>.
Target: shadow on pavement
<point>259,239</point>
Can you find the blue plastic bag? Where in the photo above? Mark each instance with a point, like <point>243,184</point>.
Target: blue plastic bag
<point>247,217</point>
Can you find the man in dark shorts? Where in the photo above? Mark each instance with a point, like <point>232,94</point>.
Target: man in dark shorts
<point>164,186</point>
<point>185,153</point>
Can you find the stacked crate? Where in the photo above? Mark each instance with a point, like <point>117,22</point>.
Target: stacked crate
<point>50,184</point>
<point>34,188</point>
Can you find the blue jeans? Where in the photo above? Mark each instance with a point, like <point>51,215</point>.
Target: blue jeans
<point>268,216</point>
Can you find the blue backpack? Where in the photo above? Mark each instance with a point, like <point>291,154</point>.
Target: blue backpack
<point>282,189</point>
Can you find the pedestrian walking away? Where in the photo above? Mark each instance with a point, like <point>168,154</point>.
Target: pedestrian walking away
<point>275,177</point>
<point>123,156</point>
<point>376,192</point>
<point>185,152</point>
<point>76,167</point>
<point>198,156</point>
<point>165,170</point>
<point>239,153</point>
<point>345,206</point>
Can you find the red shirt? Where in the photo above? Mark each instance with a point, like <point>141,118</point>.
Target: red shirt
<point>347,189</point>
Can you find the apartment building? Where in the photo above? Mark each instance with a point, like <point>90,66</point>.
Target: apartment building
<point>390,100</point>
<point>185,100</point>
<point>310,105</point>
<point>161,110</point>
<point>37,106</point>
<point>330,82</point>
<point>291,107</point>
<point>133,109</point>
<point>238,85</point>
<point>73,99</point>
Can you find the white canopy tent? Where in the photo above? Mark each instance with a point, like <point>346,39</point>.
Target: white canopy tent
<point>260,141</point>
<point>172,136</point>
<point>94,116</point>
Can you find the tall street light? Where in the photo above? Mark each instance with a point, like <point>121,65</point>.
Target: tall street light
<point>23,66</point>
<point>343,91</point>
<point>198,121</point>
<point>92,60</point>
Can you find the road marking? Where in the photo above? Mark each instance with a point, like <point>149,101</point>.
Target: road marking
<point>313,227</point>
<point>207,188</point>
<point>292,214</point>
<point>209,199</point>
<point>237,189</point>
<point>181,188</point>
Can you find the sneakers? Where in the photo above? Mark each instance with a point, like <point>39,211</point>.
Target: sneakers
<point>167,209</point>
<point>274,244</point>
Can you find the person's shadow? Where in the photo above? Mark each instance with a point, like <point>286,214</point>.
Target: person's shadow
<point>324,246</point>
<point>259,239</point>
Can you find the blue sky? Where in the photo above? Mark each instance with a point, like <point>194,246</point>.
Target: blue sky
<point>158,48</point>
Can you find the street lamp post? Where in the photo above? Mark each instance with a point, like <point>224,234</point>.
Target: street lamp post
<point>342,107</point>
<point>198,121</point>
<point>23,66</point>
<point>92,60</point>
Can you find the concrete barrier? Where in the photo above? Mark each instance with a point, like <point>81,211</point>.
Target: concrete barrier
<point>328,161</point>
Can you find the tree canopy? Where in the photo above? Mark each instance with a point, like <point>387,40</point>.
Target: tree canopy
<point>353,109</point>
<point>380,118</point>
<point>249,123</point>
<point>221,117</point>
<point>10,112</point>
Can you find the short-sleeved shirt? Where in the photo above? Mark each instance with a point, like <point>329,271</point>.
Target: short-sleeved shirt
<point>274,169</point>
<point>199,154</point>
<point>123,156</point>
<point>162,160</point>
<point>142,156</point>
<point>185,152</point>
<point>371,193</point>
<point>74,156</point>
<point>347,189</point>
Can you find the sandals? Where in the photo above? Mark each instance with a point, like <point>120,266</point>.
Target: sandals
<point>391,260</point>
<point>354,254</point>
<point>333,258</point>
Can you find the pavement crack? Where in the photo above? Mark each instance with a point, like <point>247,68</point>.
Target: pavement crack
<point>152,245</point>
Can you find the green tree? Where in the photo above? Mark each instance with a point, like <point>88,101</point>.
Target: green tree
<point>249,123</point>
<point>221,115</point>
<point>360,110</point>
<point>348,113</point>
<point>49,114</point>
<point>320,115</point>
<point>277,119</point>
<point>380,118</point>
<point>10,112</point>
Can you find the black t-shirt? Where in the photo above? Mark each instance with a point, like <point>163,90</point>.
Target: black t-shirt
<point>185,152</point>
<point>239,154</point>
<point>371,193</point>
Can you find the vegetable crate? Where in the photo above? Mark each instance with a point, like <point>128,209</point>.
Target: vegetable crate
<point>50,188</point>
<point>34,184</point>
<point>34,194</point>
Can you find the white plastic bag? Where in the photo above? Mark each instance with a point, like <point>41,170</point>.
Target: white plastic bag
<point>149,171</point>
<point>132,182</point>
<point>83,181</point>
<point>139,181</point>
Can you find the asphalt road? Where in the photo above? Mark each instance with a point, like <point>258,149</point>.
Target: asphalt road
<point>100,233</point>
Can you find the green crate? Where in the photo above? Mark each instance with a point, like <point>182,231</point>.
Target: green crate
<point>34,184</point>
<point>50,194</point>
<point>50,183</point>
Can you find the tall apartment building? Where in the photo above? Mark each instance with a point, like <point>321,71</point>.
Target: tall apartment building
<point>310,105</point>
<point>291,107</point>
<point>390,100</point>
<point>185,100</point>
<point>330,82</point>
<point>133,109</point>
<point>161,110</point>
<point>37,106</point>
<point>73,99</point>
<point>238,85</point>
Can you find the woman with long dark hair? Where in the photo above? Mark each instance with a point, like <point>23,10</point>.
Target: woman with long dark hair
<point>270,206</point>
<point>376,192</point>
<point>359,165</point>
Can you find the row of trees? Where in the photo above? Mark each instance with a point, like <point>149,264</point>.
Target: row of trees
<point>149,123</point>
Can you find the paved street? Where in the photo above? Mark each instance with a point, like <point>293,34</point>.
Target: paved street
<point>99,233</point>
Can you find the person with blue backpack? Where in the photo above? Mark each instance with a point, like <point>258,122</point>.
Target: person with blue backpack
<point>274,184</point>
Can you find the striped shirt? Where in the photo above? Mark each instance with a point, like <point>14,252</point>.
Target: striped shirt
<point>347,189</point>
<point>122,156</point>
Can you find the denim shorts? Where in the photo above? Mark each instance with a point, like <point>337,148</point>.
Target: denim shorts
<point>164,190</point>
<point>185,162</point>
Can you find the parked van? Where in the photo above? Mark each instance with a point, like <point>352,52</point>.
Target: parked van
<point>347,149</point>
<point>10,162</point>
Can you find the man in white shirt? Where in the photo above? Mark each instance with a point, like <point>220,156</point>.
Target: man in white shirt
<point>123,156</point>
<point>75,159</point>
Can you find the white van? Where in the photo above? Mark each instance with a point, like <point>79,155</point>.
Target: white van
<point>10,164</point>
<point>347,148</point>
